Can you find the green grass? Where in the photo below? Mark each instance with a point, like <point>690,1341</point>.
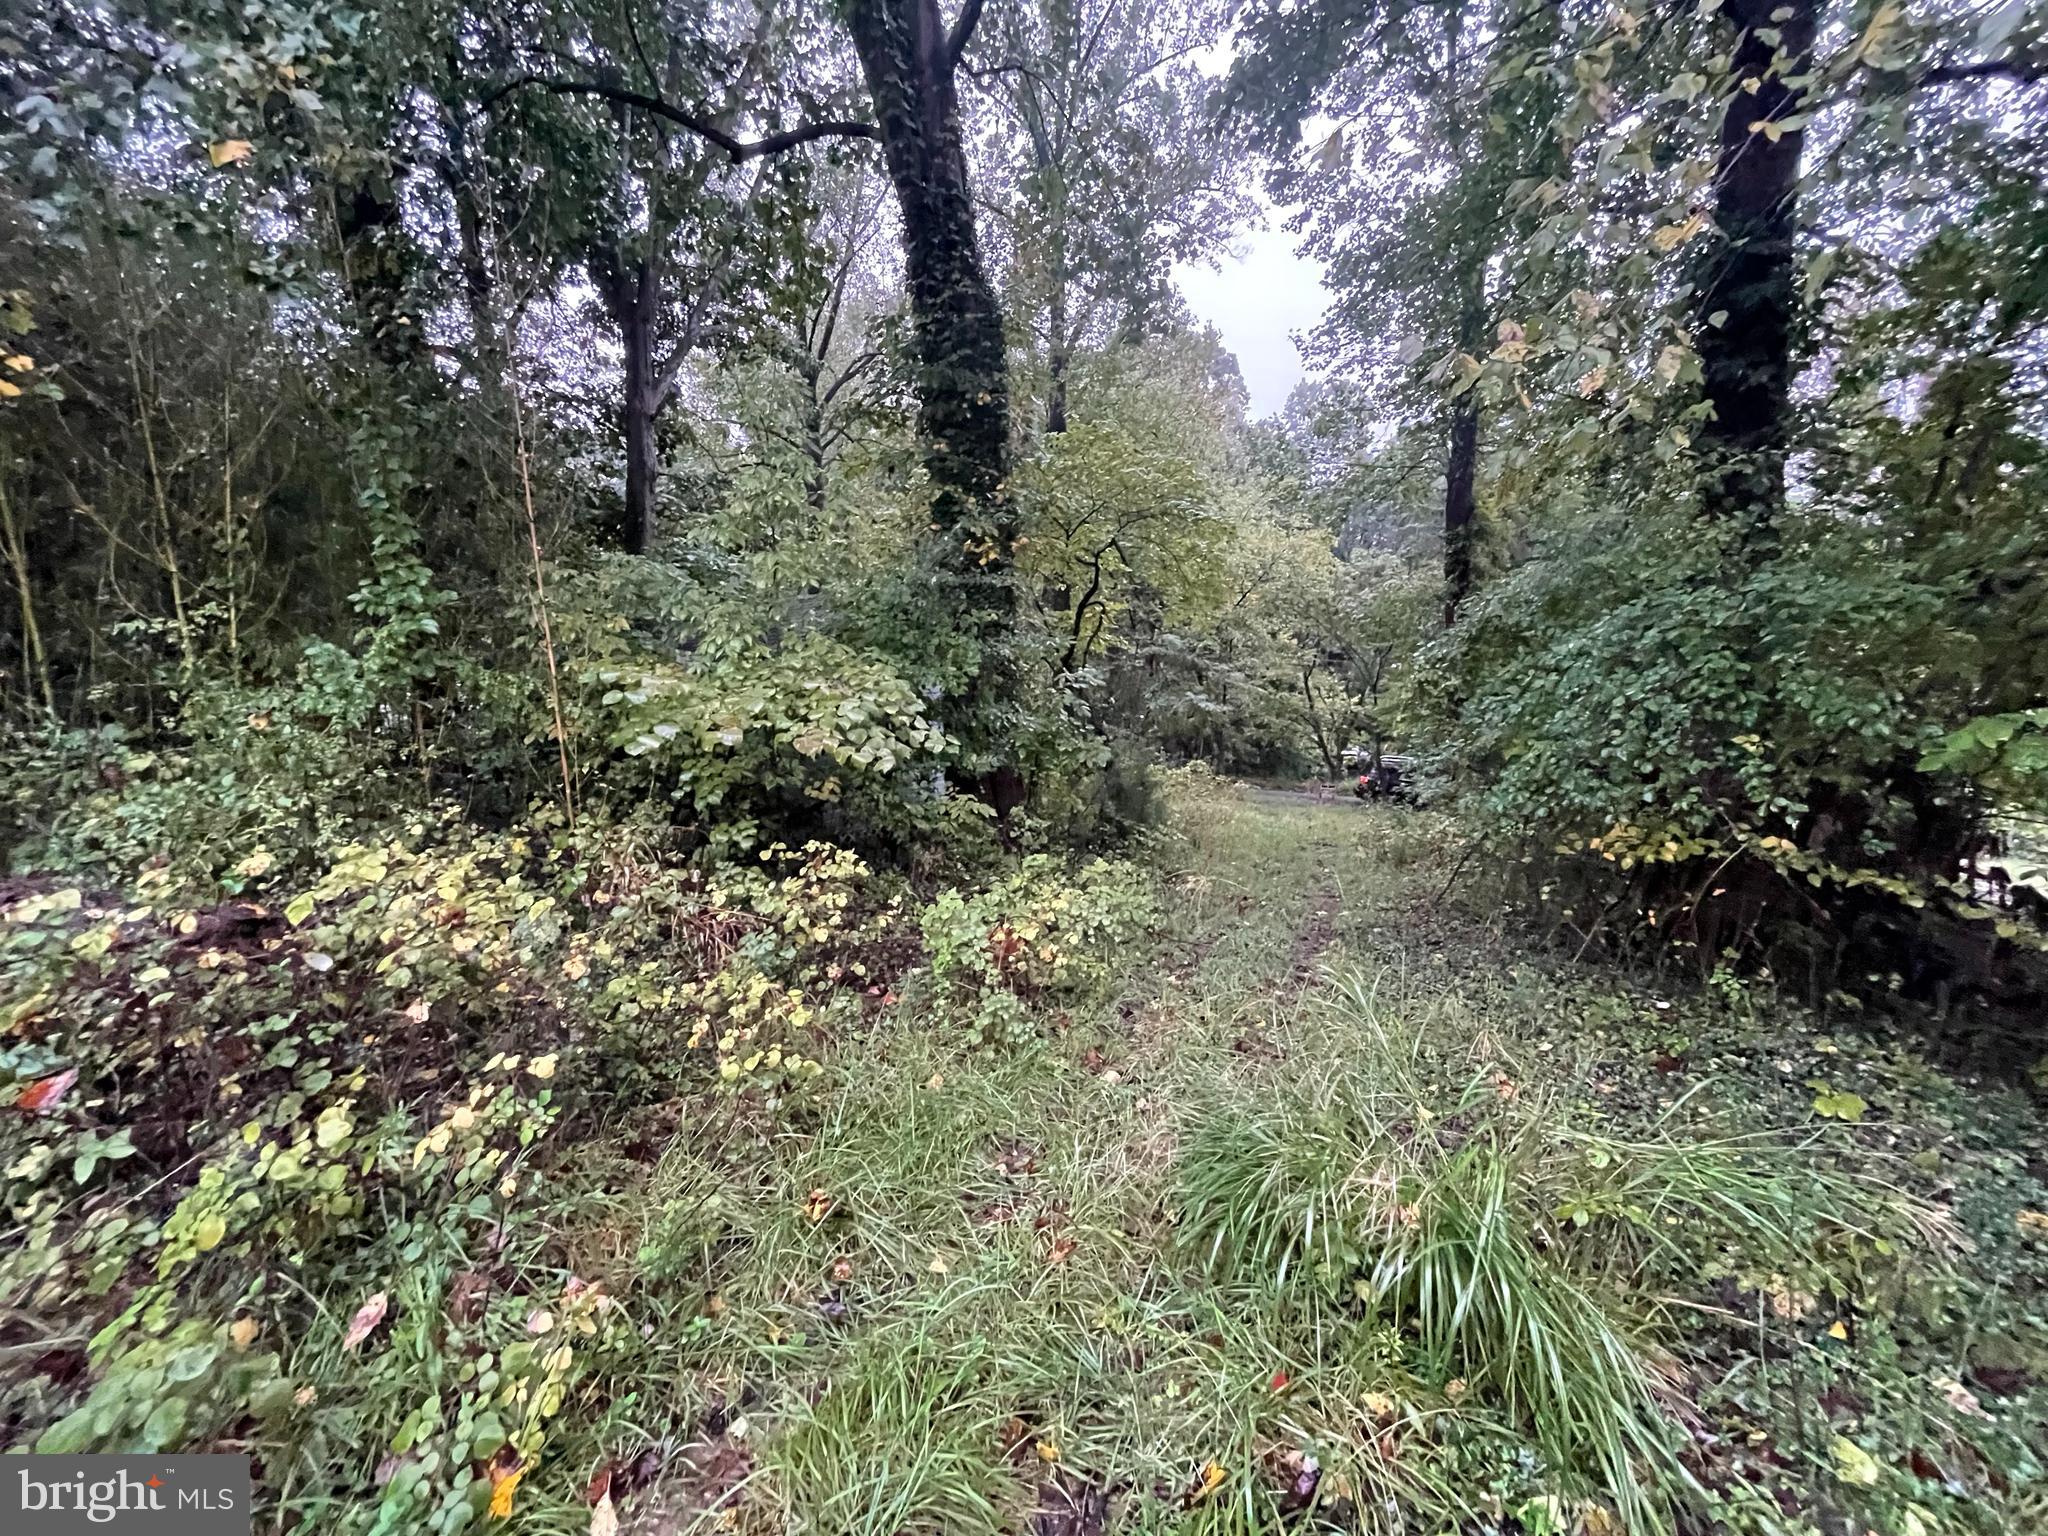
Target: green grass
<point>1408,1207</point>
<point>1411,1179</point>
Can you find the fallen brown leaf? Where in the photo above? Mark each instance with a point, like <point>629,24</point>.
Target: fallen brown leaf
<point>365,1322</point>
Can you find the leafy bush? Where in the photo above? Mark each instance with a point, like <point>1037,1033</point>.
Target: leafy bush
<point>1040,931</point>
<point>286,768</point>
<point>730,733</point>
<point>254,1131</point>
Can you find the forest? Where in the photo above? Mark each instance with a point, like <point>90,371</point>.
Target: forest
<point>699,831</point>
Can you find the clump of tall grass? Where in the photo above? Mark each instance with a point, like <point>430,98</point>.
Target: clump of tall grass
<point>1413,1179</point>
<point>905,1438</point>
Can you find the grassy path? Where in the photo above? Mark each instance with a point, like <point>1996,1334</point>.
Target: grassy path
<point>991,1297</point>
<point>1082,1287</point>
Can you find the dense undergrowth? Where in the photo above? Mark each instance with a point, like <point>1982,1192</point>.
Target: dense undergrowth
<point>545,1180</point>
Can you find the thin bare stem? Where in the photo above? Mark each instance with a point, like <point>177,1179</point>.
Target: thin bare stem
<point>17,560</point>
<point>540,592</point>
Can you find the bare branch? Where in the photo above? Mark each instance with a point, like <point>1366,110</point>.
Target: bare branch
<point>735,149</point>
<point>2027,69</point>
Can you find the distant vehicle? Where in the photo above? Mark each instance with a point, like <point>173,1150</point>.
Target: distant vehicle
<point>1391,780</point>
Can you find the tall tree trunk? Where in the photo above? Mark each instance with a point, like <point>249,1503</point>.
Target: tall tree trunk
<point>963,391</point>
<point>1461,457</point>
<point>375,256</point>
<point>1461,473</point>
<point>1752,274</point>
<point>909,59</point>
<point>463,178</point>
<point>1332,759</point>
<point>814,436</point>
<point>632,293</point>
<point>1056,354</point>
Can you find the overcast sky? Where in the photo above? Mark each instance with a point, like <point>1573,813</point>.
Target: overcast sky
<point>1258,299</point>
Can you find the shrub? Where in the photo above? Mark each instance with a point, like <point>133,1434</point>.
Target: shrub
<point>1040,931</point>
<point>245,767</point>
<point>307,1136</point>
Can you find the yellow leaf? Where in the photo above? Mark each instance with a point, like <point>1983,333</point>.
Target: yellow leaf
<point>1212,1479</point>
<point>1879,30</point>
<point>8,391</point>
<point>229,152</point>
<point>503,1486</point>
<point>1855,1465</point>
<point>1047,1451</point>
<point>242,1331</point>
<point>1671,236</point>
<point>1839,1331</point>
<point>20,362</point>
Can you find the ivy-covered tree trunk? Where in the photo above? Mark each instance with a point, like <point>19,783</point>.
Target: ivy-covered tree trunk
<point>1056,350</point>
<point>814,434</point>
<point>1461,461</point>
<point>908,59</point>
<point>1748,296</point>
<point>1461,458</point>
<point>374,257</point>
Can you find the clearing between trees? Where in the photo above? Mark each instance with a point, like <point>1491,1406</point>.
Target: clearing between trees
<point>634,641</point>
<point>1317,1203</point>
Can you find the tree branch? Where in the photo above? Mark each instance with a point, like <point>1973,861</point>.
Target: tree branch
<point>2028,70</point>
<point>962,33</point>
<point>736,150</point>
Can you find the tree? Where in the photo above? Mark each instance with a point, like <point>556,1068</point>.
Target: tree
<point>911,59</point>
<point>687,230</point>
<point>1430,134</point>
<point>1107,169</point>
<point>1748,293</point>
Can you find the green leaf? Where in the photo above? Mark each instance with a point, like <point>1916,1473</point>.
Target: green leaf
<point>69,1435</point>
<point>1838,1105</point>
<point>190,1364</point>
<point>165,1426</point>
<point>1855,1465</point>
